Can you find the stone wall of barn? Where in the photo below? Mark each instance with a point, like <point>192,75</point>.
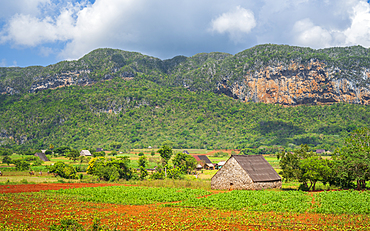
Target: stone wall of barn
<point>266,185</point>
<point>232,176</point>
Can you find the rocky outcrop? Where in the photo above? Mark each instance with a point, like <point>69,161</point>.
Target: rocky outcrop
<point>64,79</point>
<point>267,73</point>
<point>79,77</point>
<point>297,84</point>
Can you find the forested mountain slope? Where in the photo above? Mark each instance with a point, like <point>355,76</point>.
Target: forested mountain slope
<point>268,73</point>
<point>213,100</point>
<point>139,113</point>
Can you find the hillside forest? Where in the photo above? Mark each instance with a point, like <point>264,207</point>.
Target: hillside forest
<point>139,113</point>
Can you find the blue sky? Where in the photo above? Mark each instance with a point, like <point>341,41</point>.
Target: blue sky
<point>44,32</point>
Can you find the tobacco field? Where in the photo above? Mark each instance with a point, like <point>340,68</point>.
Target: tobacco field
<point>145,208</point>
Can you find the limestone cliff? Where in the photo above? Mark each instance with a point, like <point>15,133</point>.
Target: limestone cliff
<point>277,74</point>
<point>296,84</point>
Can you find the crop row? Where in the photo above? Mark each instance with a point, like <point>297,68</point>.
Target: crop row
<point>37,211</point>
<point>278,201</point>
<point>331,202</point>
<point>131,195</point>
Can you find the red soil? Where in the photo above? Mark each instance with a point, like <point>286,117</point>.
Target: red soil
<point>39,187</point>
<point>38,212</point>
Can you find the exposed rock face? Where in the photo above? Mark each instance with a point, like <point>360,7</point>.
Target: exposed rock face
<point>79,77</point>
<point>266,73</point>
<point>297,84</point>
<point>64,79</point>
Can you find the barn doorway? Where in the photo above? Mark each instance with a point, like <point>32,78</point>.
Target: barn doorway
<point>231,186</point>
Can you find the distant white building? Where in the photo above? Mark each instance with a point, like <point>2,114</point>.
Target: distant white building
<point>85,153</point>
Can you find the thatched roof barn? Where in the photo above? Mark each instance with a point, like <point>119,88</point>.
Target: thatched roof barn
<point>246,172</point>
<point>42,156</point>
<point>204,161</point>
<point>85,153</point>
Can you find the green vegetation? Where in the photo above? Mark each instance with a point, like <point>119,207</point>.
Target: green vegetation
<point>333,202</point>
<point>330,202</point>
<point>111,169</point>
<point>63,170</point>
<point>131,195</point>
<point>278,201</point>
<point>147,102</point>
<point>184,162</point>
<point>145,114</point>
<point>349,164</point>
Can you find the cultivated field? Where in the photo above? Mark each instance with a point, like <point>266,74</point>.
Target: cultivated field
<point>146,208</point>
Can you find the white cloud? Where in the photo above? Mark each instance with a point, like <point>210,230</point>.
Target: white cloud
<point>46,51</point>
<point>307,34</point>
<point>164,28</point>
<point>102,25</point>
<point>28,7</point>
<point>359,31</point>
<point>235,23</point>
<point>27,30</point>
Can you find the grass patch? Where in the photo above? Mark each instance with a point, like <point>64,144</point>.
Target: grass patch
<point>188,182</point>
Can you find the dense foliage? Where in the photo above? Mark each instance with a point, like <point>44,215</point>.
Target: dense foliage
<point>349,164</point>
<point>111,169</point>
<point>353,160</point>
<point>140,113</point>
<point>200,72</point>
<point>63,170</point>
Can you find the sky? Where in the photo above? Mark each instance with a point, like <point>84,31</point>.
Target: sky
<point>44,32</point>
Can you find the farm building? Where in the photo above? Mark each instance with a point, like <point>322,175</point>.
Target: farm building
<point>204,161</point>
<point>199,167</point>
<point>42,156</point>
<point>246,172</point>
<point>320,151</point>
<point>85,153</point>
<point>220,164</point>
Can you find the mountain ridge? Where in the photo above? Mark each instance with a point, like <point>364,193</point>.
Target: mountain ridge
<point>279,74</point>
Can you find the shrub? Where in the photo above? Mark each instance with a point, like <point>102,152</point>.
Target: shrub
<point>67,224</point>
<point>63,170</point>
<point>37,162</point>
<point>21,165</point>
<point>97,154</point>
<point>7,160</point>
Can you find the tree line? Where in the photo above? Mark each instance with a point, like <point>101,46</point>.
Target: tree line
<point>349,166</point>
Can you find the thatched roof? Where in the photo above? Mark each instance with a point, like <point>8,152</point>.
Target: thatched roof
<point>257,168</point>
<point>202,158</point>
<point>85,153</point>
<point>209,165</point>
<point>41,156</point>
